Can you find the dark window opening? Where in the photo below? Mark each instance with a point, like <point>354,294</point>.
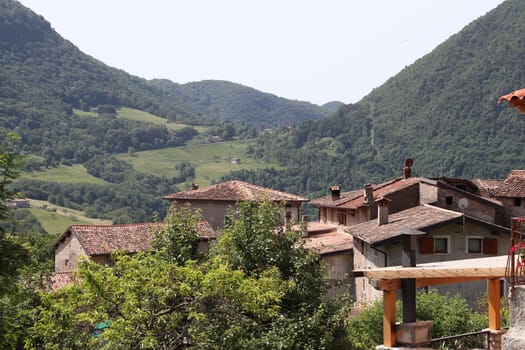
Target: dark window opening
<point>440,246</point>
<point>517,202</point>
<point>448,200</point>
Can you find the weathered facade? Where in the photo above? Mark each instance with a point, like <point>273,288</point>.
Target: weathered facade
<point>441,235</point>
<point>467,220</point>
<point>97,242</point>
<point>217,201</point>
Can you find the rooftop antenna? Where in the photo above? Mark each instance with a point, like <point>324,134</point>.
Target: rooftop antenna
<point>463,204</point>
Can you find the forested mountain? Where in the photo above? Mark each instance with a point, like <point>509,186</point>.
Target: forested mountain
<point>44,76</point>
<point>442,111</point>
<point>225,101</point>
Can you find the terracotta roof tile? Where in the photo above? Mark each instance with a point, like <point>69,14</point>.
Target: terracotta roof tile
<point>132,238</point>
<point>513,185</point>
<point>355,199</point>
<point>487,187</point>
<point>344,197</point>
<point>328,242</point>
<point>61,279</point>
<point>515,99</point>
<point>517,94</point>
<point>417,218</point>
<point>235,191</point>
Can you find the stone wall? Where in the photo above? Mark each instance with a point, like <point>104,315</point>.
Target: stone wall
<point>514,339</point>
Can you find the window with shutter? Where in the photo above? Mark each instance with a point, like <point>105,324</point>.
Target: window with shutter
<point>474,245</point>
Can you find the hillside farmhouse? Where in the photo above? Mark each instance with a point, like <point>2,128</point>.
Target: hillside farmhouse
<point>97,242</point>
<point>216,201</point>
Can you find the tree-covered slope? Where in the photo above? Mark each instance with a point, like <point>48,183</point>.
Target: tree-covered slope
<point>222,100</point>
<point>442,111</point>
<point>39,67</point>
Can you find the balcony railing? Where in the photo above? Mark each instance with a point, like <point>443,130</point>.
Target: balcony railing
<point>473,340</point>
<point>515,270</point>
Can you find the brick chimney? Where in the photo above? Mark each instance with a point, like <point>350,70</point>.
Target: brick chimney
<point>336,192</point>
<point>382,210</point>
<point>368,194</point>
<point>194,186</point>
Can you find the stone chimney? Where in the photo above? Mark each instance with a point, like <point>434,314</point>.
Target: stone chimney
<point>407,170</point>
<point>368,194</point>
<point>336,192</point>
<point>194,186</point>
<point>382,210</point>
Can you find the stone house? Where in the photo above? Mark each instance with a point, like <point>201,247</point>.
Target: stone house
<point>216,201</point>
<point>18,203</point>
<point>97,242</point>
<point>511,193</point>
<point>357,213</point>
<point>334,246</point>
<point>335,249</point>
<point>442,235</point>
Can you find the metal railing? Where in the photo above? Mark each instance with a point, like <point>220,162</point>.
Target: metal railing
<point>472,340</point>
<point>515,270</point>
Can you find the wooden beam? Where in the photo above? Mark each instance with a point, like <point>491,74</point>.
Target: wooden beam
<point>381,284</point>
<point>494,304</point>
<point>395,284</point>
<point>427,282</point>
<point>483,268</point>
<point>438,272</point>
<point>389,318</point>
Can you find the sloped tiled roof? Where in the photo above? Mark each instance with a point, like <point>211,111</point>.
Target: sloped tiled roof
<point>515,99</point>
<point>235,191</point>
<point>487,187</point>
<point>132,238</point>
<point>514,95</point>
<point>61,279</point>
<point>418,218</point>
<point>328,242</point>
<point>355,199</point>
<point>512,186</point>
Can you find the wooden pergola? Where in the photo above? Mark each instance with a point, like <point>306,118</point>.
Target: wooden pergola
<point>388,280</point>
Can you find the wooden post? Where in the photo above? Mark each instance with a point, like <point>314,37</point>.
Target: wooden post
<point>389,318</point>
<point>494,303</point>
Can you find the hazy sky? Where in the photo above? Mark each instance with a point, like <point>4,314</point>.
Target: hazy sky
<point>316,51</point>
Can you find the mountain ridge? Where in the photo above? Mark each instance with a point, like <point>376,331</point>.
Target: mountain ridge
<point>442,111</point>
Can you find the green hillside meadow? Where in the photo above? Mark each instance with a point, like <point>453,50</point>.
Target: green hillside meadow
<point>65,174</point>
<point>55,219</point>
<point>141,116</point>
<point>211,161</point>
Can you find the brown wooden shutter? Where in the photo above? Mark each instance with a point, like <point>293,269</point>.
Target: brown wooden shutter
<point>426,245</point>
<point>490,246</point>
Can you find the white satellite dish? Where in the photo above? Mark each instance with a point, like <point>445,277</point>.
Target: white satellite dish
<point>462,203</point>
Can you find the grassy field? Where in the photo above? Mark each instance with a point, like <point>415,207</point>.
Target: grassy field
<point>211,161</point>
<point>65,174</point>
<point>138,115</point>
<point>57,219</point>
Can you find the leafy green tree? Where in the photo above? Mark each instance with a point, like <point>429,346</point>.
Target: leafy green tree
<point>151,303</point>
<point>254,242</point>
<point>165,300</point>
<point>178,240</point>
<point>10,165</point>
<point>13,254</point>
<point>25,259</point>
